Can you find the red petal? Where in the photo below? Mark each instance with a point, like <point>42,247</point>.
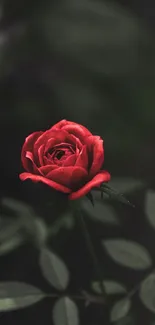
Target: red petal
<point>46,169</point>
<point>30,162</point>
<point>41,140</point>
<point>78,130</point>
<point>92,139</point>
<point>47,161</point>
<point>77,143</point>
<point>59,125</point>
<point>70,161</point>
<point>96,152</point>
<point>38,178</point>
<point>82,158</point>
<point>77,127</point>
<point>41,154</point>
<point>50,143</point>
<point>103,176</point>
<point>28,146</point>
<point>71,176</point>
<point>49,139</point>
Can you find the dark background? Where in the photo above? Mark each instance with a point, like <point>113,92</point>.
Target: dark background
<point>92,62</point>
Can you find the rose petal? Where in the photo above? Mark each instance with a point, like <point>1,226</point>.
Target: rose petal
<point>82,158</point>
<point>103,176</point>
<point>56,136</point>
<point>59,125</point>
<point>47,161</point>
<point>78,130</point>
<point>41,140</point>
<point>51,144</point>
<point>41,154</point>
<point>38,178</point>
<point>61,137</point>
<point>70,161</point>
<point>30,162</point>
<point>96,154</point>
<point>92,139</point>
<point>77,127</point>
<point>71,176</point>
<point>75,142</point>
<point>44,170</point>
<point>28,146</point>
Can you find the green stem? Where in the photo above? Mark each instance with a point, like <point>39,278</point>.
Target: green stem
<point>92,252</point>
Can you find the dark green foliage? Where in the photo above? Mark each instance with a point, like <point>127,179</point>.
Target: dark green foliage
<point>91,62</point>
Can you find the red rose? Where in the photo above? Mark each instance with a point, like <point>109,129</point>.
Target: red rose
<point>67,157</point>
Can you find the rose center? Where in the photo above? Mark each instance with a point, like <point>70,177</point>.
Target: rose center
<point>60,154</point>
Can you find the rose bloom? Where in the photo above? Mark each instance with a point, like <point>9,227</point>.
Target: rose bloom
<point>67,157</point>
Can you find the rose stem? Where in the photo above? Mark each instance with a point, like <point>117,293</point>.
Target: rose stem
<point>92,253</point>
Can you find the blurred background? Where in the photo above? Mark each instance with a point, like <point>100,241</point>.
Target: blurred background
<point>91,62</point>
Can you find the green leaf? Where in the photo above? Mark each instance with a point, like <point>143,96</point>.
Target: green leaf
<point>11,244</point>
<point>33,225</point>
<point>128,253</point>
<point>147,292</point>
<point>114,195</point>
<point>120,309</point>
<point>65,312</point>
<point>150,207</point>
<point>24,212</point>
<point>19,207</point>
<point>41,231</point>
<point>100,212</point>
<point>111,287</point>
<point>53,269</point>
<point>16,295</point>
